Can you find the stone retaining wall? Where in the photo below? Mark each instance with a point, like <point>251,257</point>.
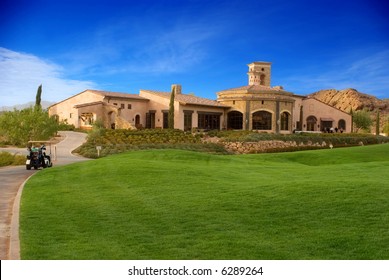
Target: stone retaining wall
<point>263,146</point>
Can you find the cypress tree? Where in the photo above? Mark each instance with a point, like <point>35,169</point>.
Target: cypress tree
<point>171,109</point>
<point>38,98</point>
<point>377,123</point>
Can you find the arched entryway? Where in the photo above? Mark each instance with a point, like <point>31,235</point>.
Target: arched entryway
<point>285,120</point>
<point>342,124</point>
<point>137,121</point>
<point>112,119</point>
<point>262,120</point>
<point>311,123</point>
<point>234,120</point>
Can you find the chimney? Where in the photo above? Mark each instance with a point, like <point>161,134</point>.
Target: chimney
<point>178,88</point>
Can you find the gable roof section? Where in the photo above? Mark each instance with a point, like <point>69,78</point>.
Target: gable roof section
<point>105,94</point>
<point>187,99</point>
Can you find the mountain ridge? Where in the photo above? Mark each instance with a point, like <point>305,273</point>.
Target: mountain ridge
<point>45,105</point>
<point>351,99</point>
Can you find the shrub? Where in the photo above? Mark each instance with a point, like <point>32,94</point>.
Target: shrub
<point>20,126</point>
<point>120,140</point>
<point>11,159</point>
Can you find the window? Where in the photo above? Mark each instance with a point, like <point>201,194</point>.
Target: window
<point>235,120</point>
<point>122,106</point>
<point>150,119</point>
<point>262,120</point>
<point>209,120</point>
<point>187,121</point>
<point>165,119</point>
<point>115,104</point>
<point>129,106</point>
<point>285,121</point>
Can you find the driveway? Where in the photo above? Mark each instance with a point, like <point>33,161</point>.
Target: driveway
<point>11,185</point>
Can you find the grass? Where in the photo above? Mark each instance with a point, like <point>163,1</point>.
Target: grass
<point>171,204</point>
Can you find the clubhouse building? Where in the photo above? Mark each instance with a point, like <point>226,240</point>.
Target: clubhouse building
<point>256,106</point>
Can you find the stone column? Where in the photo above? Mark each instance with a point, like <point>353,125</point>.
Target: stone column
<point>278,121</point>
<point>247,116</point>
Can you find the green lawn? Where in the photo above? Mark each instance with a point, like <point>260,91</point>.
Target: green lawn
<point>171,204</point>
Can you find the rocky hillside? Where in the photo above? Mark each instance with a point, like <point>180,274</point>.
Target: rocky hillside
<point>348,99</point>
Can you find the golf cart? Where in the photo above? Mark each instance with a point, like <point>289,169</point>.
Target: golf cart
<point>37,157</point>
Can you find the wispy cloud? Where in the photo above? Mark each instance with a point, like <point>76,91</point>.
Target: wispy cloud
<point>21,74</point>
<point>175,50</point>
<point>127,47</point>
<point>368,75</point>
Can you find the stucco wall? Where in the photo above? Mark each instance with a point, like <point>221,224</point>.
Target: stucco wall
<point>320,110</point>
<point>65,109</point>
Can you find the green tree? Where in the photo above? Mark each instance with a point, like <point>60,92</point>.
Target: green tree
<point>171,109</point>
<point>362,120</point>
<point>20,126</point>
<point>38,98</point>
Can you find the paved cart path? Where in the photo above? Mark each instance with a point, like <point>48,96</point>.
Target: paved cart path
<point>11,185</point>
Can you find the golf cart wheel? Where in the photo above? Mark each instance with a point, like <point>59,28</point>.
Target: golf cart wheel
<point>28,167</point>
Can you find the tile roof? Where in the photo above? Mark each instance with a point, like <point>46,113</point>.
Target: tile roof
<point>256,88</point>
<point>188,99</point>
<point>117,94</point>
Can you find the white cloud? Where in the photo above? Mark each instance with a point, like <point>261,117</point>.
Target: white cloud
<point>21,74</point>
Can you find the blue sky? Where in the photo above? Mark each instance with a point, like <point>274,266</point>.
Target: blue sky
<point>69,46</point>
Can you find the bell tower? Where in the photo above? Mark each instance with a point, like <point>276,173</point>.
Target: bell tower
<point>259,73</point>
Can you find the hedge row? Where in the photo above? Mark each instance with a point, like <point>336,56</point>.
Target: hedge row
<point>118,141</point>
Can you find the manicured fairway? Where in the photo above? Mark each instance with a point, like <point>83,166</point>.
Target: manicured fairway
<point>171,204</point>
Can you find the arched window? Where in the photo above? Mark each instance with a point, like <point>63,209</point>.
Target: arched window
<point>234,120</point>
<point>342,124</point>
<point>311,123</point>
<point>262,120</point>
<point>285,116</point>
